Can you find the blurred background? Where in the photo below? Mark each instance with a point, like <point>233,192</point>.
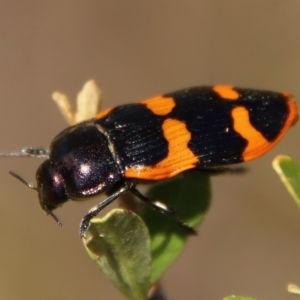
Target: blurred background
<point>249,242</point>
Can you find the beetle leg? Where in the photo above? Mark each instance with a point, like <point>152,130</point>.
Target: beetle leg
<point>95,210</point>
<point>163,208</point>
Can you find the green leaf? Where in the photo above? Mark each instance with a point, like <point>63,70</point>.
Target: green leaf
<point>189,195</point>
<point>120,242</point>
<point>120,245</point>
<point>289,173</point>
<point>238,298</point>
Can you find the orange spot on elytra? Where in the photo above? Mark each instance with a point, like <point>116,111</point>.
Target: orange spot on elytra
<point>226,92</point>
<point>160,105</point>
<point>179,159</point>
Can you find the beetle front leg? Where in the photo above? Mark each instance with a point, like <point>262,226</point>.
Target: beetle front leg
<point>85,223</point>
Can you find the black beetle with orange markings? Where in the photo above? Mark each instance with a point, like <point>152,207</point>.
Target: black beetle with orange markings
<point>158,138</point>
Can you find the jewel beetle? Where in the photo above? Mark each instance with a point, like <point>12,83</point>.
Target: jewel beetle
<point>155,139</point>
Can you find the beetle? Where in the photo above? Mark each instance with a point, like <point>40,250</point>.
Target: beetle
<point>155,139</point>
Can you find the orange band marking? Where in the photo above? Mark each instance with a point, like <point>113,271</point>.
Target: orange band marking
<point>226,92</point>
<point>160,105</point>
<point>257,144</point>
<point>179,159</point>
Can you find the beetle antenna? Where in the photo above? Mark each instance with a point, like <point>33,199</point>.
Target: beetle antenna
<point>55,218</point>
<point>30,185</point>
<point>29,152</point>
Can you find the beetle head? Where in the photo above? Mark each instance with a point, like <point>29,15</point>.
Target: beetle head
<point>50,187</point>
